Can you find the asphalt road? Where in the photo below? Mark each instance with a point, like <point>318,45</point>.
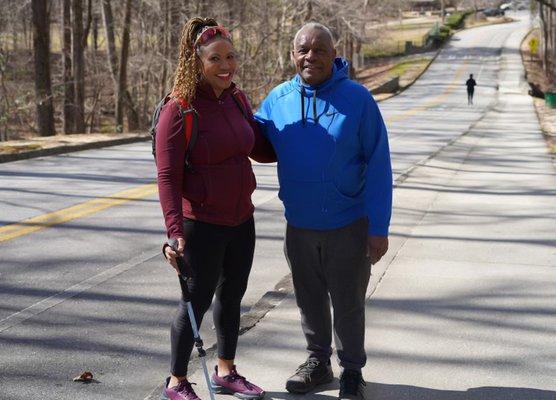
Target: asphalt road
<point>86,287</point>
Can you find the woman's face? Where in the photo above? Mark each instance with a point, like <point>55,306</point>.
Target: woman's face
<point>219,63</point>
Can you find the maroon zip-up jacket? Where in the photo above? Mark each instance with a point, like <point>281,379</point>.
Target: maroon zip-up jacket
<point>218,188</point>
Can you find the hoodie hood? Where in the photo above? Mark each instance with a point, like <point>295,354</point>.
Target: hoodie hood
<point>340,71</point>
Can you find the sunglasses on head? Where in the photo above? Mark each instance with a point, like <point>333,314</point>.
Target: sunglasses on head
<point>209,32</point>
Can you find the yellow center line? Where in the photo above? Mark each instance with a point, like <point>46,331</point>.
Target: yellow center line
<point>439,99</point>
<point>40,222</point>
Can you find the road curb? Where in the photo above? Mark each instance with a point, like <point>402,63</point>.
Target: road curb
<point>438,51</point>
<point>4,158</point>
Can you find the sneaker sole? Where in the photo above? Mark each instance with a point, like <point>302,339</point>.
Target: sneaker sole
<point>222,390</point>
<point>291,386</point>
<point>351,397</point>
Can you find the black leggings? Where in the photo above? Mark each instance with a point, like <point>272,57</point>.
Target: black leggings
<point>221,258</point>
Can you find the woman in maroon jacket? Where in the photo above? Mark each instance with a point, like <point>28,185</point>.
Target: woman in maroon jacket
<point>208,207</point>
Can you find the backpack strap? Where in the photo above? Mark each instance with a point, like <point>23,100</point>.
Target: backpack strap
<point>241,102</point>
<point>154,122</point>
<point>190,125</point>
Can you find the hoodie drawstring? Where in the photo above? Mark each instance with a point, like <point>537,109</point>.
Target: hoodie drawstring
<point>303,105</point>
<point>315,116</point>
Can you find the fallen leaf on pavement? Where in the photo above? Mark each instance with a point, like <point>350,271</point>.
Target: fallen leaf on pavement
<point>85,377</point>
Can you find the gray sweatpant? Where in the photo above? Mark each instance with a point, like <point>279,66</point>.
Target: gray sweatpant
<point>331,266</point>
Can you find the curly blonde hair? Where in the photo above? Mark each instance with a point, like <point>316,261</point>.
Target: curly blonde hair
<point>188,71</point>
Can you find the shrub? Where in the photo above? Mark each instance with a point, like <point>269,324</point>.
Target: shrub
<point>455,21</point>
<point>534,45</point>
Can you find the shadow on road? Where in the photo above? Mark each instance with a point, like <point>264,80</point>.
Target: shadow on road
<point>381,391</point>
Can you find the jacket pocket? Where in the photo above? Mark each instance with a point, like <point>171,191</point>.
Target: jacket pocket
<point>194,188</point>
<point>223,188</point>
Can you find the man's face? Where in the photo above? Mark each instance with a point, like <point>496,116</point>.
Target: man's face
<point>313,55</point>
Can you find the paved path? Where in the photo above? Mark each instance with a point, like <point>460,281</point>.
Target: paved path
<point>90,292</point>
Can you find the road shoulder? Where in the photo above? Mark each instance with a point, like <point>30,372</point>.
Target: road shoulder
<point>14,150</point>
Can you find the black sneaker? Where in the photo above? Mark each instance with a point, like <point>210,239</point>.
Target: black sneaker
<point>352,385</point>
<point>310,374</point>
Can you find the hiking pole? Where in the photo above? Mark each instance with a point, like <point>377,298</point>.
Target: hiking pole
<point>186,273</point>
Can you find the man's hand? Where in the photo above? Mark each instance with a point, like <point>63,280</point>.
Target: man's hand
<point>172,256</point>
<point>377,246</point>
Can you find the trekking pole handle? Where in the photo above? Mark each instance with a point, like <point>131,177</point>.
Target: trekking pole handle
<point>185,270</point>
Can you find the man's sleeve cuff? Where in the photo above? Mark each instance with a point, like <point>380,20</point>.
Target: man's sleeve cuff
<point>375,230</point>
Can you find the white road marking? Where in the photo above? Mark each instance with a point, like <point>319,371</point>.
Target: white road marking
<point>72,291</point>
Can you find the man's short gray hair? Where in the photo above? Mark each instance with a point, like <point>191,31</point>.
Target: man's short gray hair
<point>315,25</point>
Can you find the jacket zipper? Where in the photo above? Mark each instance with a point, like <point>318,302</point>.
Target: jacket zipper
<point>238,141</point>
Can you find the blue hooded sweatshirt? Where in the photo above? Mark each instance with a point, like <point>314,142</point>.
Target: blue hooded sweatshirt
<point>333,156</point>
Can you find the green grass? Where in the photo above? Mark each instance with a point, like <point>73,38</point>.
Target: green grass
<point>109,129</point>
<point>405,27</point>
<point>394,43</point>
<point>400,68</point>
<point>10,148</point>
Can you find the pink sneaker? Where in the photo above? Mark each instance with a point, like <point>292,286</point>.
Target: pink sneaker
<point>235,384</point>
<point>183,391</point>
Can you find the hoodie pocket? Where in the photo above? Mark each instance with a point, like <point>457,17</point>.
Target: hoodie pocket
<point>338,200</point>
<point>301,195</point>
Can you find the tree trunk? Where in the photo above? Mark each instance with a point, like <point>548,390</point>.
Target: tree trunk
<point>14,36</point>
<point>163,43</point>
<point>133,121</point>
<point>67,78</point>
<point>108,19</point>
<point>41,49</point>
<point>175,31</point>
<point>95,33</point>
<point>202,8</point>
<point>308,11</point>
<point>544,28</point>
<point>87,27</point>
<point>349,55</point>
<point>78,65</point>
<point>551,30</point>
<point>442,8</point>
<point>4,101</point>
<point>123,98</point>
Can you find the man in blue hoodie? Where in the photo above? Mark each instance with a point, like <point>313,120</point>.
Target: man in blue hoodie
<point>336,185</point>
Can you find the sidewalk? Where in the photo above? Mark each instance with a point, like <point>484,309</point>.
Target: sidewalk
<point>465,309</point>
<point>14,150</point>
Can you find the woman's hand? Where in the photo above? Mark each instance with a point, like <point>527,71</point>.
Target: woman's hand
<point>172,256</point>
